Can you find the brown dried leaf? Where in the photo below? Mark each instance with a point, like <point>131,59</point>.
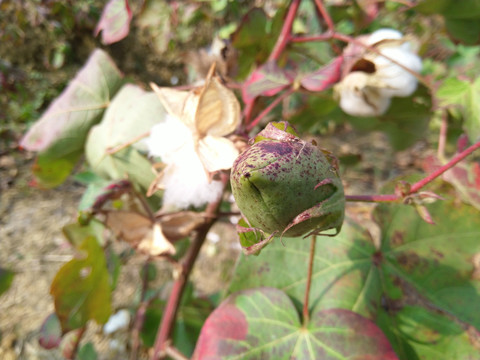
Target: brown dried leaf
<point>176,226</point>
<point>130,226</point>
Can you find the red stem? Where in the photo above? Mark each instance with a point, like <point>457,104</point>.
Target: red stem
<point>268,109</point>
<point>284,36</point>
<point>325,15</point>
<point>173,303</point>
<point>372,198</point>
<point>418,185</point>
<point>456,159</point>
<point>322,37</point>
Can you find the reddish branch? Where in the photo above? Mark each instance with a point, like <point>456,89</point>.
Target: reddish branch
<point>268,109</point>
<point>325,15</point>
<point>285,33</point>
<point>173,303</point>
<point>418,185</point>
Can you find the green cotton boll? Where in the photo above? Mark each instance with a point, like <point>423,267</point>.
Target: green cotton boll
<point>286,186</point>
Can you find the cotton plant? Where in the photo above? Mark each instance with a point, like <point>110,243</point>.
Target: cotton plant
<point>373,78</point>
<point>191,142</point>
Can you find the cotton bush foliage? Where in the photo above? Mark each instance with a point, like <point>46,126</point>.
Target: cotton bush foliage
<point>369,93</point>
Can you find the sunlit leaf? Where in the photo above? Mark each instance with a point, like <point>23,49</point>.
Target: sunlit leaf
<point>81,288</point>
<point>61,131</point>
<point>344,275</point>
<point>114,22</point>
<point>131,115</point>
<point>264,324</point>
<point>465,95</point>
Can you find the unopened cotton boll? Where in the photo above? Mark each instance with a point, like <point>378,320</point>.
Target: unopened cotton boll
<point>357,98</point>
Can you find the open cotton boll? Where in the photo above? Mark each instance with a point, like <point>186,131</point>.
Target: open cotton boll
<point>117,321</point>
<point>396,80</point>
<point>168,138</point>
<point>357,98</point>
<point>383,34</point>
<point>186,183</point>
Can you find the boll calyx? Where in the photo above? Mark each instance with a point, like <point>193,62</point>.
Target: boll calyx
<point>285,186</point>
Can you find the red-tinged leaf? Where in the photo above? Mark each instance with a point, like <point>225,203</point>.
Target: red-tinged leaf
<point>263,323</point>
<point>81,288</point>
<point>466,179</point>
<point>62,129</point>
<point>50,335</point>
<point>267,80</point>
<point>59,135</point>
<point>325,77</point>
<point>114,22</point>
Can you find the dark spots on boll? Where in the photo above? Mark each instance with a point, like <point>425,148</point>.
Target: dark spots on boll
<point>276,148</point>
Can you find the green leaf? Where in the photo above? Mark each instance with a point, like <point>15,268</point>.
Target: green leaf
<point>96,186</point>
<point>76,233</point>
<point>344,275</point>
<point>419,333</point>
<point>131,114</point>
<point>464,30</point>
<point>465,9</point>
<point>465,95</point>
<point>6,278</point>
<point>255,38</point>
<point>61,131</point>
<point>264,324</point>
<point>50,172</point>
<point>87,352</point>
<point>435,262</point>
<point>430,7</point>
<point>81,288</point>
<point>462,18</point>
